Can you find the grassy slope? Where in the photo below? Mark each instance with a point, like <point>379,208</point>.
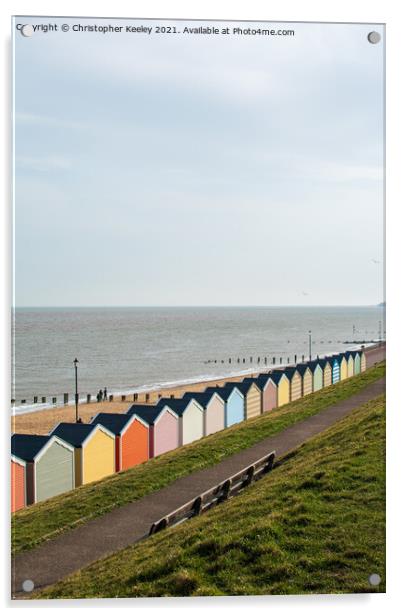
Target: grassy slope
<point>44,520</point>
<point>316,524</point>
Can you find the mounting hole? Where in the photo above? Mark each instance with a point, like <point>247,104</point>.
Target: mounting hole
<point>28,585</point>
<point>374,37</point>
<point>374,579</point>
<point>27,30</point>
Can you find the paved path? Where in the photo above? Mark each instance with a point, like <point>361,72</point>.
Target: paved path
<point>122,527</point>
<point>375,354</point>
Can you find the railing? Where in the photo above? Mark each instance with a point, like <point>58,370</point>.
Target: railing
<point>216,495</point>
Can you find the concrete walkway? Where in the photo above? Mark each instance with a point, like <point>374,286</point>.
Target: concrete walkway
<point>124,526</point>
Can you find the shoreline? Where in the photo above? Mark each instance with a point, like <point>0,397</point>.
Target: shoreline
<point>43,421</point>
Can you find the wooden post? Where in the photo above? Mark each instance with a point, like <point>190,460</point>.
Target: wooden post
<point>88,398</point>
<point>54,400</point>
<point>111,398</point>
<point>23,401</point>
<point>274,360</point>
<point>43,399</point>
<point>65,396</point>
<point>123,398</point>
<point>295,359</point>
<point>35,399</point>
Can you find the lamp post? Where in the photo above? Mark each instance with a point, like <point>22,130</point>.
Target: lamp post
<point>76,389</point>
<point>309,343</point>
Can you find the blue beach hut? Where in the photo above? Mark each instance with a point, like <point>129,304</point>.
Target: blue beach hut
<point>234,403</point>
<point>336,371</point>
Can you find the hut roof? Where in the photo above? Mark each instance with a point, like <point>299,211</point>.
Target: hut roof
<point>178,405</point>
<point>289,371</point>
<point>226,390</point>
<point>202,397</point>
<point>147,412</point>
<point>73,433</point>
<point>27,446</point>
<point>302,368</point>
<point>333,359</point>
<point>115,422</point>
<point>276,375</point>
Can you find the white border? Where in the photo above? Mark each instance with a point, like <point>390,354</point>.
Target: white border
<point>309,10</point>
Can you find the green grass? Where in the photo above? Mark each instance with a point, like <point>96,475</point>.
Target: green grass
<point>45,520</point>
<point>316,524</point>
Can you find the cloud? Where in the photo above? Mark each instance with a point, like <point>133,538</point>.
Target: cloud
<point>44,164</point>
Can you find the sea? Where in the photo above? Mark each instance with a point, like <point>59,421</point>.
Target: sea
<point>129,350</point>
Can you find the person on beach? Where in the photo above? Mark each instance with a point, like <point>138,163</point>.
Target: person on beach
<point>99,396</point>
<point>105,394</point>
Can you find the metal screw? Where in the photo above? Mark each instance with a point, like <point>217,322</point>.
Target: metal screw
<point>374,37</point>
<point>374,579</point>
<point>27,30</point>
<point>28,585</point>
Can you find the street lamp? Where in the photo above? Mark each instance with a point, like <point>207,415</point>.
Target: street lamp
<point>76,389</point>
<point>309,343</point>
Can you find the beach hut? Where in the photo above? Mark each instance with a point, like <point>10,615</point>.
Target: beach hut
<point>49,465</point>
<point>214,410</point>
<point>334,362</point>
<point>131,438</point>
<point>191,418</point>
<point>307,378</point>
<point>350,363</point>
<point>283,384</point>
<point>316,369</point>
<point>234,403</point>
<point>18,484</point>
<point>363,360</point>
<point>356,362</point>
<point>252,397</point>
<point>269,392</point>
<point>343,366</point>
<point>295,380</point>
<point>94,450</point>
<point>163,424</point>
<point>358,367</point>
<point>326,371</point>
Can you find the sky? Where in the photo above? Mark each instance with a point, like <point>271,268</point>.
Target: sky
<point>198,170</point>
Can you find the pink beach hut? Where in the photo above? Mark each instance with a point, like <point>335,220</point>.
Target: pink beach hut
<point>163,425</point>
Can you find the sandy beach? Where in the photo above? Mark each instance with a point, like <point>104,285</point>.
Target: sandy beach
<point>42,422</point>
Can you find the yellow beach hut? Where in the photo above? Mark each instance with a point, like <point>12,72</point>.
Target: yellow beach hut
<point>363,362</point>
<point>307,379</point>
<point>296,382</point>
<point>326,371</point>
<point>283,384</point>
<point>252,397</point>
<point>343,367</point>
<point>350,363</point>
<point>94,450</point>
